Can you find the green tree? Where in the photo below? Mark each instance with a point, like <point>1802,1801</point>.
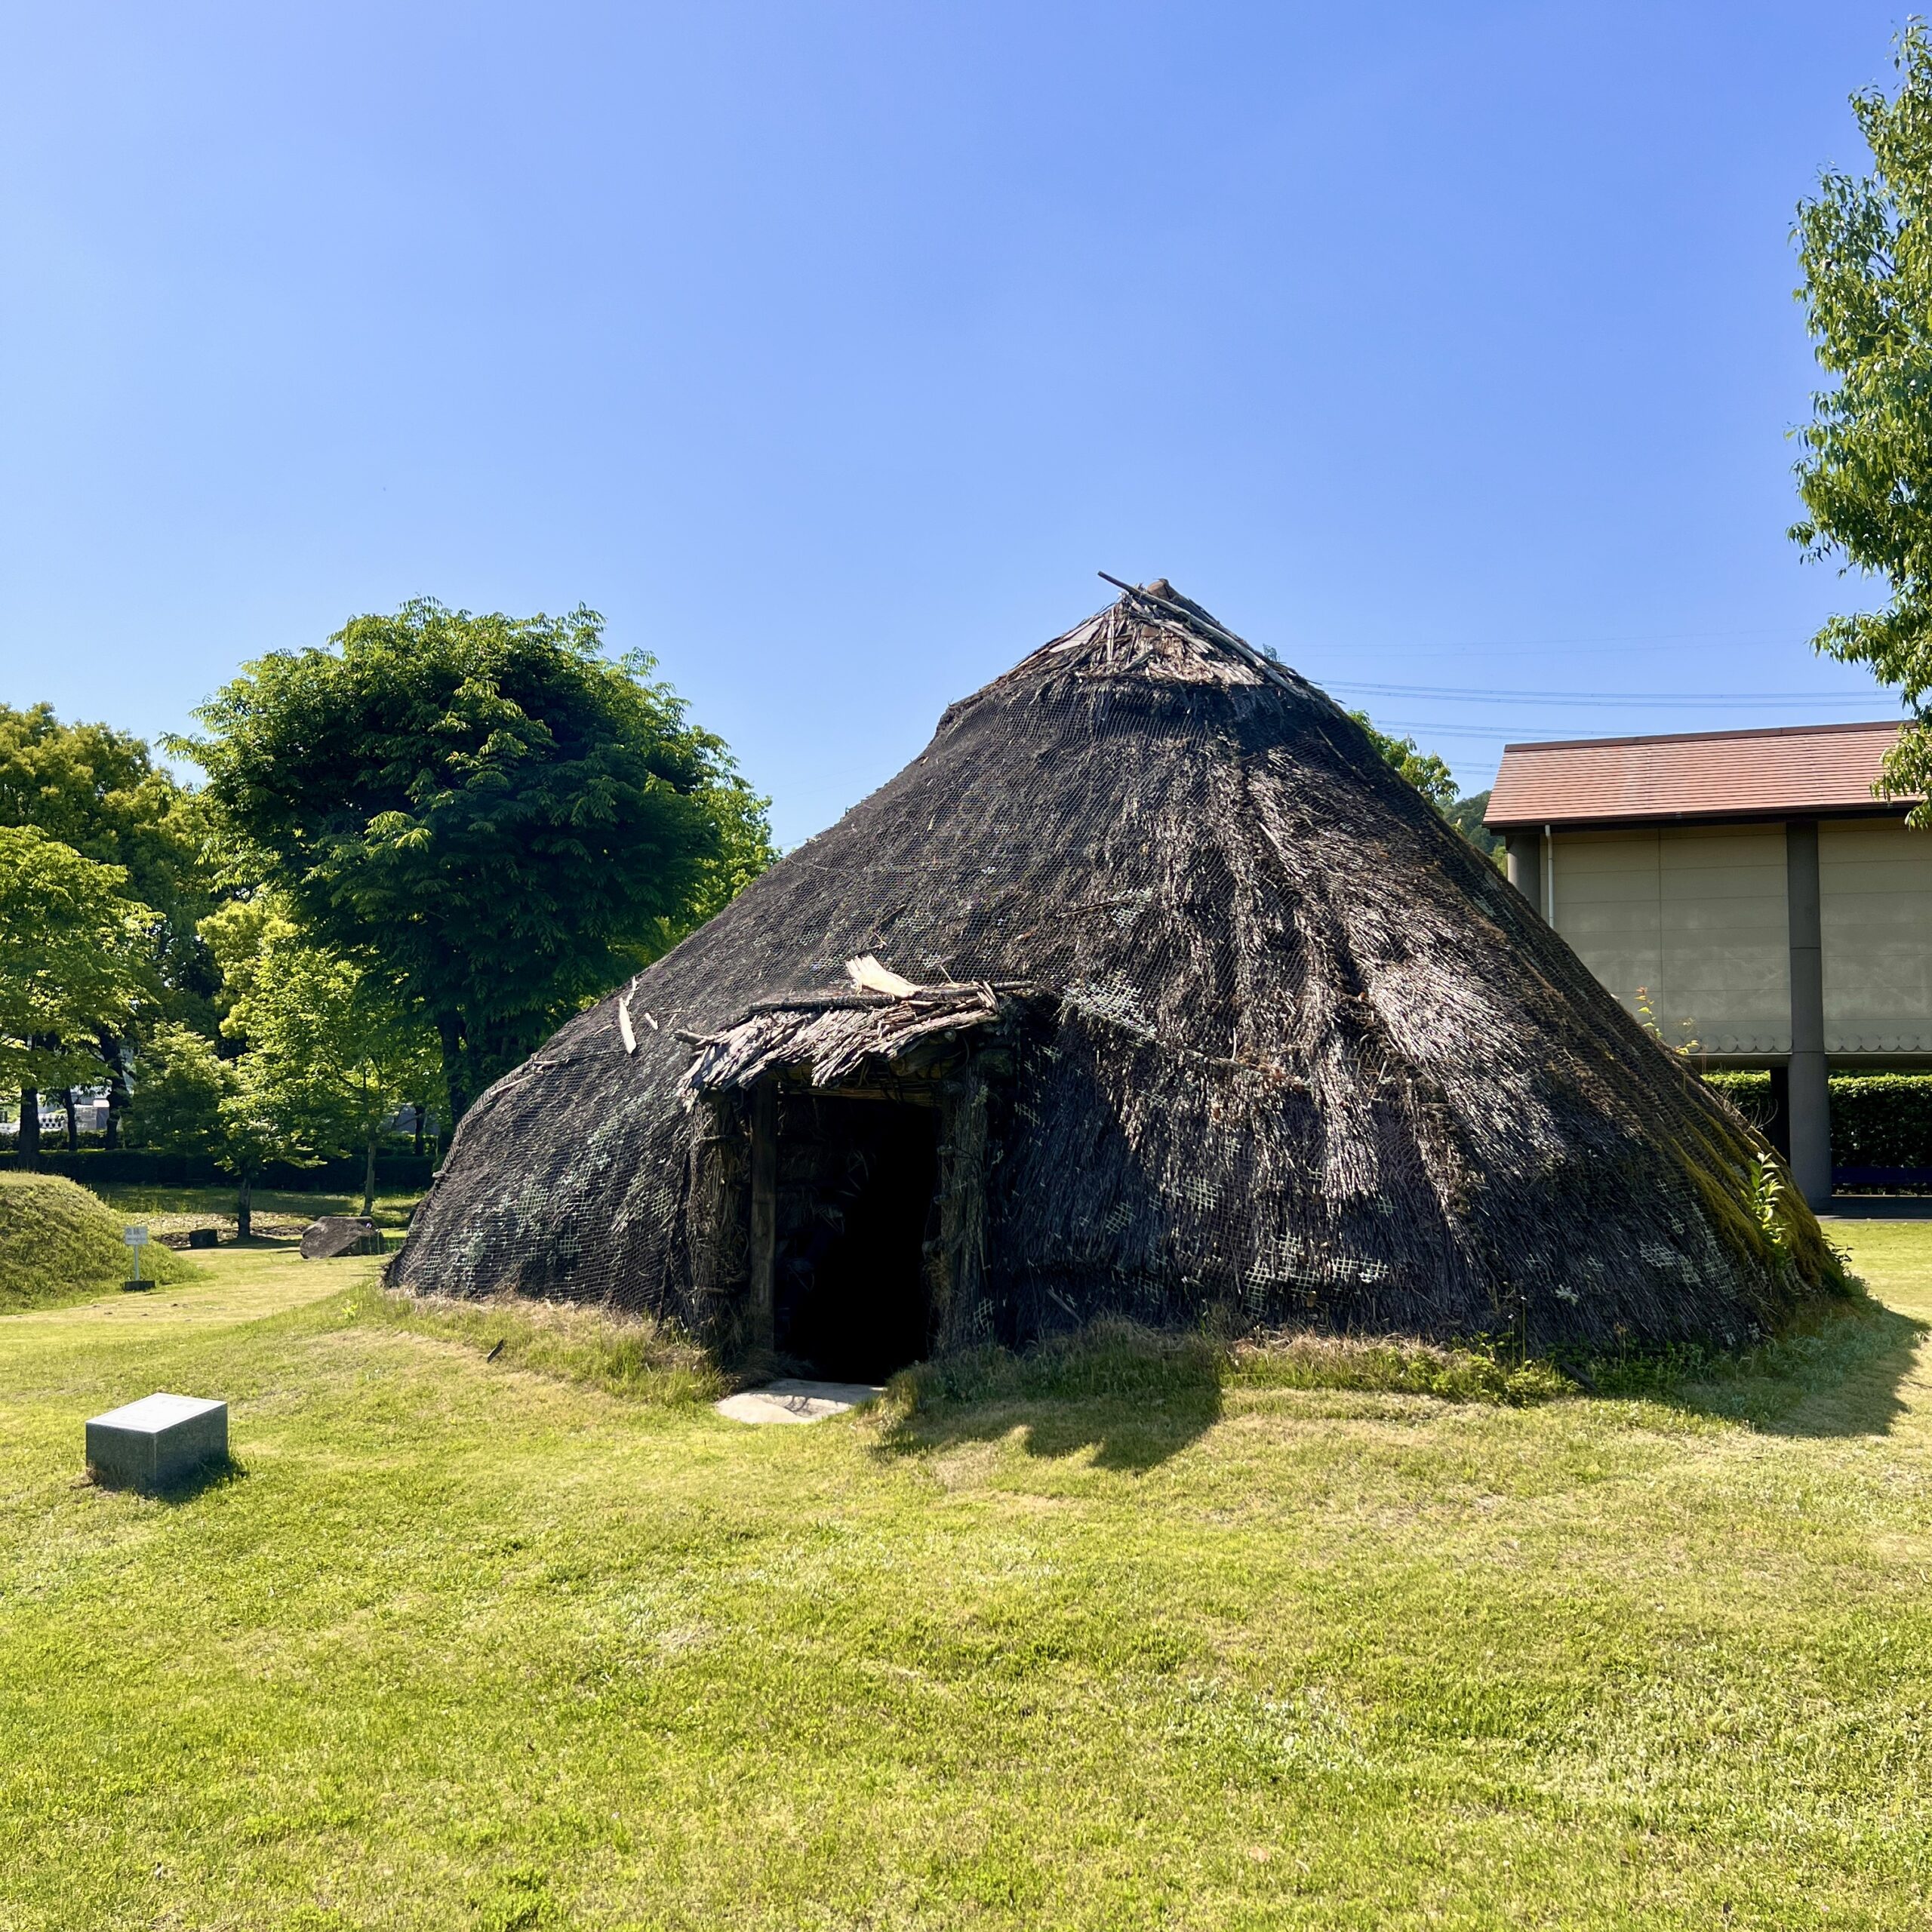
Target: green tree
<point>1433,779</point>
<point>1865,244</point>
<point>182,1082</point>
<point>253,1130</point>
<point>193,1102</point>
<point>1423,769</point>
<point>744,849</point>
<point>324,1039</point>
<point>100,792</point>
<point>486,813</point>
<point>75,960</point>
<point>1466,816</point>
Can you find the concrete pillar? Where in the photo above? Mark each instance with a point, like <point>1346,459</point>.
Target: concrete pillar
<point>1524,851</point>
<point>1810,1090</point>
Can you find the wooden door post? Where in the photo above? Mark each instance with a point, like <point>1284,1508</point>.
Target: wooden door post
<point>765,1213</point>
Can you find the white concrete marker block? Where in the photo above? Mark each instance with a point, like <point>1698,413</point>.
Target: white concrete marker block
<point>157,1441</point>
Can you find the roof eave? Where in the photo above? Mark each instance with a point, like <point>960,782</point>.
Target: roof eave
<point>1750,815</point>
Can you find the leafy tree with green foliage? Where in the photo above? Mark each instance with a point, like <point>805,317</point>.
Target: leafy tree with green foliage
<point>322,1036</point>
<point>1865,244</point>
<point>1433,779</point>
<point>74,962</point>
<point>1465,814</point>
<point>744,851</point>
<point>193,1102</point>
<point>99,791</point>
<point>182,1081</point>
<point>1423,769</point>
<point>254,1129</point>
<point>486,813</point>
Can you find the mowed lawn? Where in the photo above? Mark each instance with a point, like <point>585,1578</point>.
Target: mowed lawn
<point>462,1645</point>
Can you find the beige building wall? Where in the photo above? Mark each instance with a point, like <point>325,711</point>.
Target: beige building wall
<point>1695,915</point>
<point>1874,889</point>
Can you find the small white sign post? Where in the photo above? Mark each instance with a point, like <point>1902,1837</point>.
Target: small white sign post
<point>136,1239</point>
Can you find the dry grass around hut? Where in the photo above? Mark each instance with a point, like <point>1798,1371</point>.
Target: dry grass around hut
<point>1124,1360</point>
<point>641,1358</point>
<point>629,1355</point>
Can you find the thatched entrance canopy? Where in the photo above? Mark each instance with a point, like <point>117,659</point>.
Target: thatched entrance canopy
<point>1147,988</point>
<point>831,1038</point>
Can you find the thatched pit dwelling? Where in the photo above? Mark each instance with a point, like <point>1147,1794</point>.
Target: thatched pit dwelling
<point>1146,989</point>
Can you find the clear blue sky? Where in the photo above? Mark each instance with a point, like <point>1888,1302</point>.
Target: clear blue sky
<point>829,350</point>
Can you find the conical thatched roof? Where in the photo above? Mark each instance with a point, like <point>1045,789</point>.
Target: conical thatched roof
<point>1270,1038</point>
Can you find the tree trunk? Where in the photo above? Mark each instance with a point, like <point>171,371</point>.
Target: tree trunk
<point>449,1030</point>
<point>369,1179</point>
<point>244,1196</point>
<point>29,1139</point>
<point>73,1125</point>
<point>422,1113</point>
<point>117,1085</point>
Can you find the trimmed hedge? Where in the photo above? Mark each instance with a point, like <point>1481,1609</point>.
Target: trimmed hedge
<point>1742,1088</point>
<point>1881,1119</point>
<point>1878,1120</point>
<point>396,1173</point>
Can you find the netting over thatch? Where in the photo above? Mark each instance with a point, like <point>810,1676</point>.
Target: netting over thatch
<point>1235,1021</point>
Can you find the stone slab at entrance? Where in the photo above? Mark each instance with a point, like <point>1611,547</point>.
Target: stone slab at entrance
<point>157,1441</point>
<point>797,1401</point>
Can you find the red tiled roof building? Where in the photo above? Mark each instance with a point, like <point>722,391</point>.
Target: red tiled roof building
<point>1751,889</point>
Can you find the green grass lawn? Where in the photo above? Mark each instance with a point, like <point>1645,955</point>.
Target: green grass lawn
<point>58,1243</point>
<point>165,1205</point>
<point>465,1644</point>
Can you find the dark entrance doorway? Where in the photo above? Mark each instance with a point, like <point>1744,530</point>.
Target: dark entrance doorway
<point>856,1185</point>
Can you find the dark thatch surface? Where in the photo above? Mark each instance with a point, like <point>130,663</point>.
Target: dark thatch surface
<point>1270,1039</point>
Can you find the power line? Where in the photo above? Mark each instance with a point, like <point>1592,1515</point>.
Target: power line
<point>1499,733</point>
<point>1479,695</point>
<point>1648,640</point>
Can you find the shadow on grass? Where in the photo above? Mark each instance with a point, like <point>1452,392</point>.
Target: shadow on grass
<point>220,1474</point>
<point>1134,1396</point>
<point>1137,1396</point>
<point>1842,1378</point>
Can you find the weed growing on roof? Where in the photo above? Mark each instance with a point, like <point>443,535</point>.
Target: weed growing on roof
<point>1764,1195</point>
<point>1647,1018</point>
